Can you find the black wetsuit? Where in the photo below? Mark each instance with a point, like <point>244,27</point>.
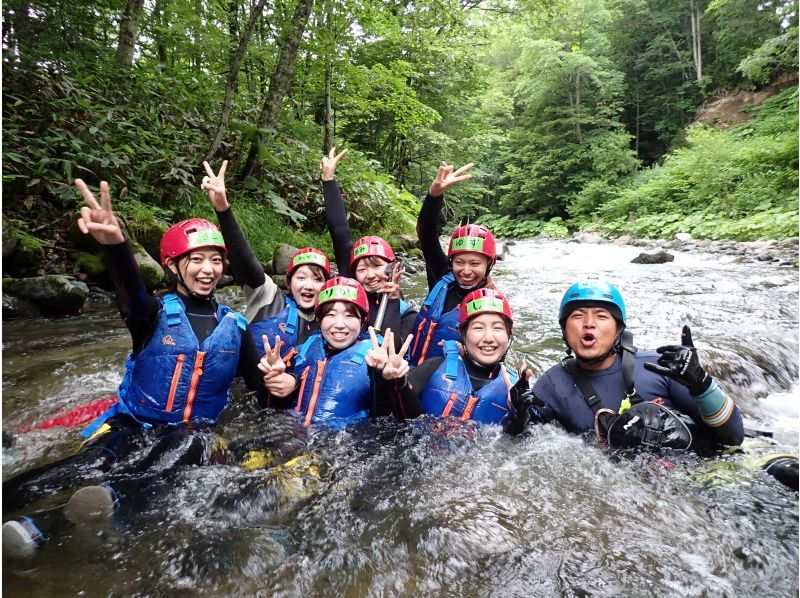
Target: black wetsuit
<point>336,216</point>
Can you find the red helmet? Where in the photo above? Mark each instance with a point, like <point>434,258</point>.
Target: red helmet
<point>341,288</point>
<point>308,256</point>
<point>473,238</point>
<point>189,235</point>
<point>370,247</point>
<point>485,301</point>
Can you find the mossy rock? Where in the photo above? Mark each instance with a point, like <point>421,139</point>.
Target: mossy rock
<point>151,271</point>
<point>9,242</point>
<point>90,263</point>
<point>53,295</point>
<point>29,256</point>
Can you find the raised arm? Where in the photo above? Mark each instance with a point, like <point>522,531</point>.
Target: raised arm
<point>336,213</point>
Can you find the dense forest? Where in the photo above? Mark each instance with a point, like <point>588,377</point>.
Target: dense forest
<point>608,114</point>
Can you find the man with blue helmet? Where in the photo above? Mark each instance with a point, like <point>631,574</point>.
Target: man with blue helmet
<point>629,396</point>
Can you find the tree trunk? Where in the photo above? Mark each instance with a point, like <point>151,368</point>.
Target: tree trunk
<point>158,16</point>
<point>578,106</point>
<point>327,121</point>
<point>128,32</point>
<point>233,74</point>
<point>280,80</point>
<point>696,40</point>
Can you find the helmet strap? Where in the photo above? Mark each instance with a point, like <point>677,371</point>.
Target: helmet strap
<point>182,283</point>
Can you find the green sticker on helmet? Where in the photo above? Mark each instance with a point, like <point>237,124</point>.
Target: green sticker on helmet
<point>202,238</point>
<point>360,250</point>
<point>468,244</point>
<point>308,258</point>
<point>484,304</point>
<point>336,293</point>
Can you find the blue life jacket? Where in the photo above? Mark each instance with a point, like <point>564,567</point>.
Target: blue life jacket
<point>284,324</point>
<point>334,391</point>
<point>175,378</point>
<point>449,392</point>
<point>432,325</point>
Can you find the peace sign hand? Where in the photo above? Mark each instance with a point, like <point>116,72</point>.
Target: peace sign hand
<point>384,357</point>
<point>329,163</point>
<point>215,185</point>
<point>271,363</point>
<point>96,219</point>
<point>445,178</point>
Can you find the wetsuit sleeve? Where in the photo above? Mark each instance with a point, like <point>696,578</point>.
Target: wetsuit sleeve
<point>139,309</point>
<point>262,295</point>
<point>428,224</point>
<point>408,392</point>
<point>718,414</point>
<point>336,216</point>
<point>407,322</point>
<point>249,356</point>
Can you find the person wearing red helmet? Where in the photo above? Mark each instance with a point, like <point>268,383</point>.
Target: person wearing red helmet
<point>186,351</point>
<point>370,260</point>
<point>470,381</point>
<point>332,381</point>
<point>270,312</point>
<point>470,256</point>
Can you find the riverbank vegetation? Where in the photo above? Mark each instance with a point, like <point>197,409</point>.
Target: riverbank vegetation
<point>578,113</point>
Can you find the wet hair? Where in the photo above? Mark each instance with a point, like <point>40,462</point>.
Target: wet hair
<point>350,308</point>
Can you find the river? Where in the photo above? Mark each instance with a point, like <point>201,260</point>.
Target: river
<point>394,508</point>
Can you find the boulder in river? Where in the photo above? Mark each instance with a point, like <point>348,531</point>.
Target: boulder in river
<point>28,256</point>
<point>683,237</point>
<point>54,294</point>
<point>9,242</point>
<point>15,308</point>
<point>281,257</point>
<point>659,257</point>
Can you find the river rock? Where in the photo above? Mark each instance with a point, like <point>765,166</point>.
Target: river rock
<point>28,257</point>
<point>683,237</point>
<point>9,242</point>
<point>587,237</point>
<point>90,263</point>
<point>280,280</point>
<point>152,273</point>
<point>281,258</point>
<point>404,242</point>
<point>15,308</point>
<point>53,294</point>
<point>659,257</point>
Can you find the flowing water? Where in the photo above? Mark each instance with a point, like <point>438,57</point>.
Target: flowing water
<point>426,508</point>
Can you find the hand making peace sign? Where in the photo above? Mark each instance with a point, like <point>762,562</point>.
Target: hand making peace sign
<point>383,356</point>
<point>96,219</point>
<point>329,163</point>
<point>215,185</point>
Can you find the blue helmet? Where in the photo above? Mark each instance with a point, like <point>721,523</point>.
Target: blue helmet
<point>591,293</point>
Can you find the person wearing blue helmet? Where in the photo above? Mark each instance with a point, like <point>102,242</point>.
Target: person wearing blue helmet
<point>630,397</point>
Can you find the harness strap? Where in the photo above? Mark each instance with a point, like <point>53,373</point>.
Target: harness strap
<point>451,356</point>
<point>291,318</point>
<point>628,363</point>
<point>172,309</point>
<point>441,287</point>
<point>587,390</point>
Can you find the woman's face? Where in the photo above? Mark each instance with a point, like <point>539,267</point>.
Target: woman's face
<point>304,286</point>
<point>341,325</point>
<point>371,273</point>
<point>200,269</point>
<point>486,339</point>
<point>469,268</point>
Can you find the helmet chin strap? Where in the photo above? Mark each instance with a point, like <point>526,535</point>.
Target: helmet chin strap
<point>480,284</point>
<point>182,282</point>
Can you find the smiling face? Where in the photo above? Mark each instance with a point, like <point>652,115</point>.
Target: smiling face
<point>469,268</point>
<point>486,339</point>
<point>371,273</point>
<point>200,270</point>
<point>304,286</point>
<point>340,323</point>
<point>591,332</point>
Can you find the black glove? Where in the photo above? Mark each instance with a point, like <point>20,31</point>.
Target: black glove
<point>521,400</point>
<point>680,363</point>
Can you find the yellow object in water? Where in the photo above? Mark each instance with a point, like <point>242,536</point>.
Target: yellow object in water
<point>298,478</point>
<point>258,459</point>
<point>99,432</point>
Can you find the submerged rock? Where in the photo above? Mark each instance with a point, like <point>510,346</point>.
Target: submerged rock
<point>53,295</point>
<point>659,257</point>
